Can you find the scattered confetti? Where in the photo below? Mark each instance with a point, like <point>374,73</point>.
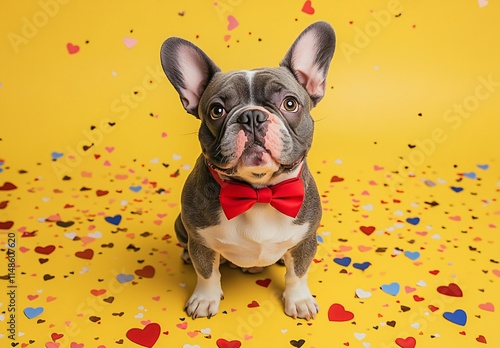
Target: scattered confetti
<point>406,246</point>
<point>72,49</point>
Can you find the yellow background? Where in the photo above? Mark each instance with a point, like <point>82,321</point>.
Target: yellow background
<point>401,73</point>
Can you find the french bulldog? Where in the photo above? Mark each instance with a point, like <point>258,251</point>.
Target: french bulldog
<point>250,198</point>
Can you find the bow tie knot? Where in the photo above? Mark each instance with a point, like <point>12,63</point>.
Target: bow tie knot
<point>264,195</point>
<point>236,197</point>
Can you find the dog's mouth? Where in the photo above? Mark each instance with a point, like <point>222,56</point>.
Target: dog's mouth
<point>254,160</point>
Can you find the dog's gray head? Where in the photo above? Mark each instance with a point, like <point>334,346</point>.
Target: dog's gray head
<point>255,124</point>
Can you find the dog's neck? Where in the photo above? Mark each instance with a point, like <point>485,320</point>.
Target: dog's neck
<point>284,173</point>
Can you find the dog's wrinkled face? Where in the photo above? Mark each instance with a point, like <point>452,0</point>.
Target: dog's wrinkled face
<point>251,121</point>
<point>255,124</point>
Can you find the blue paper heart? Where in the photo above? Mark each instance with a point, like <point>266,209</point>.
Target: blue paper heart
<point>391,289</point>
<point>136,188</point>
<point>125,278</point>
<point>115,220</point>
<point>361,266</point>
<point>344,261</point>
<point>483,166</point>
<point>412,255</point>
<point>457,189</point>
<point>55,155</point>
<point>31,312</point>
<point>458,317</point>
<point>470,175</point>
<point>320,239</point>
<point>413,221</point>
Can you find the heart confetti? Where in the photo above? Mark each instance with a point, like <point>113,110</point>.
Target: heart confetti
<point>145,337</point>
<point>408,342</point>
<point>222,343</point>
<point>458,317</point>
<point>450,290</point>
<point>337,312</point>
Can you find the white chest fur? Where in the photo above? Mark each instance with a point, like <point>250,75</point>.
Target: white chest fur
<point>257,238</point>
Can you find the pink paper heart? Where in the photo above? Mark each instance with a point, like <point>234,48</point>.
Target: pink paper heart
<point>232,23</point>
<point>488,306</point>
<point>86,240</point>
<point>72,49</point>
<point>52,345</point>
<point>129,42</point>
<point>182,326</point>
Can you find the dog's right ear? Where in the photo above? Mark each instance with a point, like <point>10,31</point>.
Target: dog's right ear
<point>189,70</point>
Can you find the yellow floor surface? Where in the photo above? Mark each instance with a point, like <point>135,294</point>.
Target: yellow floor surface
<point>95,147</point>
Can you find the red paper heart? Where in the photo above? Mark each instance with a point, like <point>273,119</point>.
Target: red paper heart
<point>367,229</point>
<point>146,337</point>
<point>435,272</point>
<point>418,298</point>
<point>307,8</point>
<point>100,193</point>
<point>336,178</point>
<point>408,342</point>
<point>55,336</point>
<point>254,304</point>
<point>337,312</point>
<point>481,339</point>
<point>433,308</point>
<point>263,282</point>
<point>87,254</point>
<point>146,272</point>
<point>99,292</point>
<point>450,290</point>
<point>222,343</point>
<point>45,250</point>
<point>72,49</point>
<point>8,186</point>
<point>7,225</point>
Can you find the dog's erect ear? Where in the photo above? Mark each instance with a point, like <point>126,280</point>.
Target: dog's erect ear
<point>189,70</point>
<point>309,58</point>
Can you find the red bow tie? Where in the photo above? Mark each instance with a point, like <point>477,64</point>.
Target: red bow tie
<point>236,198</point>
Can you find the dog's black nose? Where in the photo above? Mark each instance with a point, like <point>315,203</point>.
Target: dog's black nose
<point>252,119</point>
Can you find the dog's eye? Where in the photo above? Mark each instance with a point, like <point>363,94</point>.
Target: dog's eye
<point>217,111</point>
<point>290,104</point>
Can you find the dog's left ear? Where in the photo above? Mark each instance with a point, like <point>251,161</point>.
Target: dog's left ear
<point>309,58</point>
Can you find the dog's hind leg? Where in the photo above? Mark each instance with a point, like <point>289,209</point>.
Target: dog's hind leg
<point>182,237</point>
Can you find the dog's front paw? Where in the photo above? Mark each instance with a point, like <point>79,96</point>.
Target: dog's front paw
<point>302,306</point>
<point>203,304</point>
